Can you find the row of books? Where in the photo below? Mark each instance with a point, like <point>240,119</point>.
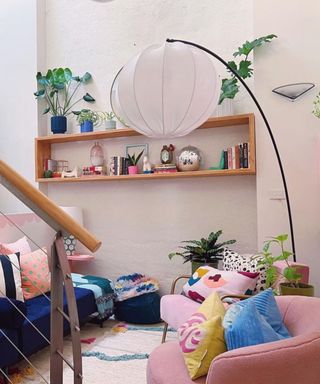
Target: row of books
<point>237,156</point>
<point>165,168</point>
<point>119,165</point>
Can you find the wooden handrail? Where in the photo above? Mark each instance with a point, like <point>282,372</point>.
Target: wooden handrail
<point>44,207</point>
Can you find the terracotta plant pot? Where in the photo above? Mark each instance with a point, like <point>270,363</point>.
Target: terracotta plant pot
<point>302,290</point>
<point>196,264</point>
<point>133,169</point>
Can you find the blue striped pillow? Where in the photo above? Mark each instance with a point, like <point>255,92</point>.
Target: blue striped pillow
<point>10,277</point>
<point>265,319</point>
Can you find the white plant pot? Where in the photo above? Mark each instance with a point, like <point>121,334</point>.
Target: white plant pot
<point>110,124</point>
<point>224,109</point>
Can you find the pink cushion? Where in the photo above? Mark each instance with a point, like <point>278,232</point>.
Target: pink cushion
<point>20,245</point>
<point>176,309</point>
<point>35,273</point>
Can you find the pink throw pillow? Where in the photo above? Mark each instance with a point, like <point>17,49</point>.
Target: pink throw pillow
<point>20,245</point>
<point>35,274</point>
<point>207,280</point>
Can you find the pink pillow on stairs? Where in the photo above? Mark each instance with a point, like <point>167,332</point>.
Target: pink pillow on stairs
<point>20,245</point>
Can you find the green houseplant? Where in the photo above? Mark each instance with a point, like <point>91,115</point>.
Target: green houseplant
<point>87,119</point>
<point>110,123</point>
<point>58,88</point>
<point>316,106</point>
<point>292,284</point>
<point>206,251</point>
<point>230,87</point>
<point>133,161</point>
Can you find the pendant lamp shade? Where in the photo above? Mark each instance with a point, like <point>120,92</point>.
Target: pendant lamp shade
<point>166,90</point>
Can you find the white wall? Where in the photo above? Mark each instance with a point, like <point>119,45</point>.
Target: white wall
<point>18,117</point>
<point>292,58</point>
<point>141,222</point>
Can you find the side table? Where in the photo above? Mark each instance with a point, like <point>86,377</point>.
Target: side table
<point>76,257</point>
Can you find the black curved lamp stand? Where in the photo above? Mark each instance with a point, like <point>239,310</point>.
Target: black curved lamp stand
<point>266,123</point>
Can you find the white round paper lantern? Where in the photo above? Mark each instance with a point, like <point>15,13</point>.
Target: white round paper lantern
<point>166,90</point>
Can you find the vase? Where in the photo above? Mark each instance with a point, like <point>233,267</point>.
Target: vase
<point>58,124</point>
<point>96,155</point>
<point>86,126</point>
<point>133,170</point>
<point>301,290</point>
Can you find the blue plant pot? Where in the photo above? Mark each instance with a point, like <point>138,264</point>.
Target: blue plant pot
<point>87,126</point>
<point>58,124</point>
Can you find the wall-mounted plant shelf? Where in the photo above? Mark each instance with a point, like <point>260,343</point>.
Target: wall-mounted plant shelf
<point>43,151</point>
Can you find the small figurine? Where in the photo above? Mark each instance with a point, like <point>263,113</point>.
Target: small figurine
<point>74,173</point>
<point>146,165</point>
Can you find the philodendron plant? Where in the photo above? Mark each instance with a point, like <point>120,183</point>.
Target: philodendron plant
<point>230,87</point>
<point>58,87</point>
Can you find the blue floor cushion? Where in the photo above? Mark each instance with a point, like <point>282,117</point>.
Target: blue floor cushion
<point>144,309</point>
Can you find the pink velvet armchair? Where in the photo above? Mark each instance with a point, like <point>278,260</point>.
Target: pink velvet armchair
<point>290,361</point>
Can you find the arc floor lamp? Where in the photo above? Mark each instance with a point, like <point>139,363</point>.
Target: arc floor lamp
<point>147,93</point>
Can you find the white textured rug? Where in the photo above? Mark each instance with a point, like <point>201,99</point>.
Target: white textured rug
<point>113,358</point>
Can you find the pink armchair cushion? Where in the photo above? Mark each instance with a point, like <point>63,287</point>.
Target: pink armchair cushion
<point>177,309</point>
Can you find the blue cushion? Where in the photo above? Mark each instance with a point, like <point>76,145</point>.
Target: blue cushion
<point>250,328</point>
<point>10,317</point>
<point>8,353</point>
<point>144,309</point>
<point>38,309</point>
<point>253,321</point>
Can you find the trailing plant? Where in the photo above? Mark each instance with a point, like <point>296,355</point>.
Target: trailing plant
<point>133,160</point>
<point>87,115</point>
<point>267,259</point>
<point>205,250</point>
<point>230,87</point>
<point>58,87</point>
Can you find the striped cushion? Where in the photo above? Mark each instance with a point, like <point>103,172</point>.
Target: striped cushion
<point>10,278</point>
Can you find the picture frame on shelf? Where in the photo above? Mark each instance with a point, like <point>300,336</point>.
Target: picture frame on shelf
<point>132,149</point>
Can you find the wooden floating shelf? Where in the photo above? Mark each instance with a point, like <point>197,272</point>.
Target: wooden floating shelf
<point>43,151</point>
<point>152,176</point>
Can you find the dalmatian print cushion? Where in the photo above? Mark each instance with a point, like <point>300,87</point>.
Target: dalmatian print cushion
<point>232,261</point>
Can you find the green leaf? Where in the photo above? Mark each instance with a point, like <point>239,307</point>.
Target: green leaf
<point>229,89</point>
<point>76,78</point>
<point>67,74</point>
<point>291,274</point>
<point>282,238</point>
<point>59,86</point>
<point>51,94</point>
<point>77,113</point>
<point>40,93</point>
<point>86,77</point>
<point>248,46</point>
<point>46,110</point>
<point>88,98</point>
<point>138,158</point>
<point>233,65</point>
<point>244,69</point>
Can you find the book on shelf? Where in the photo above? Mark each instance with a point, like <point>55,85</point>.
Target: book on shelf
<point>237,156</point>
<point>164,168</point>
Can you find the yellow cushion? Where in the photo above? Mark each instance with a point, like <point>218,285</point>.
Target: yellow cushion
<point>201,338</point>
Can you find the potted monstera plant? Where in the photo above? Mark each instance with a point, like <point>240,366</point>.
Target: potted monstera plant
<point>59,88</point>
<point>206,251</point>
<point>291,284</point>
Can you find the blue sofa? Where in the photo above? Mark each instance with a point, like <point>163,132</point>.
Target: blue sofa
<point>27,339</point>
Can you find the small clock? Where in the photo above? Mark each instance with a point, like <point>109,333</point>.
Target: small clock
<point>166,154</point>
